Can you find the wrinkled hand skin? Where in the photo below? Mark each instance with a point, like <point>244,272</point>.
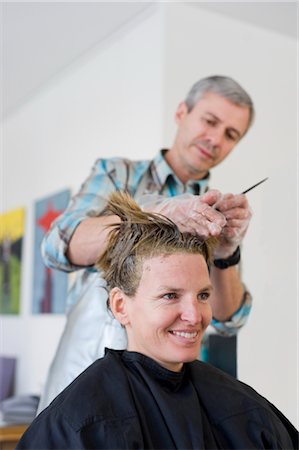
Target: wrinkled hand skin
<point>237,212</point>
<point>194,214</point>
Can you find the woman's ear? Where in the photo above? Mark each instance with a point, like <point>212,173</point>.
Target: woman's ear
<point>118,305</point>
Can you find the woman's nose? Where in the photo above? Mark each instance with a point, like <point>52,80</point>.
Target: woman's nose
<point>192,312</point>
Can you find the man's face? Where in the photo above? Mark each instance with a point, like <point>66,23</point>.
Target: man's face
<point>170,312</point>
<point>206,135</point>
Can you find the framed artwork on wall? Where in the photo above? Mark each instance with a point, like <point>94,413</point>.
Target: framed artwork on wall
<point>49,286</point>
<point>11,239</point>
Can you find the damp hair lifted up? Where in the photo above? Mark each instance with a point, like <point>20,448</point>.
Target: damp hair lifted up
<point>139,236</point>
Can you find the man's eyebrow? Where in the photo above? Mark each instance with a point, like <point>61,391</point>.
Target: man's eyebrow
<point>219,120</point>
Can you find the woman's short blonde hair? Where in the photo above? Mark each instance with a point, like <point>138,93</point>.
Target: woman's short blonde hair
<point>139,236</point>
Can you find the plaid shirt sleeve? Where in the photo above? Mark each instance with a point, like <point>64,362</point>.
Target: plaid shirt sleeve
<point>106,176</point>
<point>237,320</point>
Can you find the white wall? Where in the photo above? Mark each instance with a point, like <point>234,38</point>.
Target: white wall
<point>107,104</point>
<point>199,43</point>
<point>120,100</point>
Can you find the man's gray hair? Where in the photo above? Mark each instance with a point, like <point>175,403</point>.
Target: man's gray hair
<point>224,86</point>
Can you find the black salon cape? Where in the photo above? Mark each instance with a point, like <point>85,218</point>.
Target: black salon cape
<point>127,401</point>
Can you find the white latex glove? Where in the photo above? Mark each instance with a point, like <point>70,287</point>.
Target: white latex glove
<point>191,213</point>
<point>237,212</point>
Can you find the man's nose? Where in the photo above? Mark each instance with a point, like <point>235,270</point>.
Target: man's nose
<point>215,137</point>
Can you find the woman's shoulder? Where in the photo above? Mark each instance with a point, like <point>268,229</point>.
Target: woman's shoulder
<point>221,389</point>
<point>232,404</point>
<point>100,391</point>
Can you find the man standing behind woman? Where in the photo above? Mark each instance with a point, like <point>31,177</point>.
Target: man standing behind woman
<point>213,118</point>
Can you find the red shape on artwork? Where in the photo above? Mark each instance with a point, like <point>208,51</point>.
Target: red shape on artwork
<point>45,222</point>
<point>48,217</point>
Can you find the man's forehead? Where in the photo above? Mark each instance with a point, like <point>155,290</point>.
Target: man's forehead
<point>223,109</point>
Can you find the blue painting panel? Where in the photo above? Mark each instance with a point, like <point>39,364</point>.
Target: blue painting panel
<point>49,286</point>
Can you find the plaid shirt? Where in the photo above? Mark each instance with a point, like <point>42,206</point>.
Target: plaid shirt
<point>138,178</point>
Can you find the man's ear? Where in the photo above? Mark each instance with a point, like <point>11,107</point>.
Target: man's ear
<point>118,305</point>
<point>181,112</point>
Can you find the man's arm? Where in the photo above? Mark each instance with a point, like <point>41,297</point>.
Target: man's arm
<point>228,292</point>
<point>88,203</point>
<point>230,301</point>
<point>89,240</point>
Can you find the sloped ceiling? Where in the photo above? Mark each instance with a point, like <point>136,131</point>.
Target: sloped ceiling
<point>39,39</point>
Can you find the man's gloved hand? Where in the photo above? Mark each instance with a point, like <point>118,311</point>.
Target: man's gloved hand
<point>191,213</point>
<point>237,212</point>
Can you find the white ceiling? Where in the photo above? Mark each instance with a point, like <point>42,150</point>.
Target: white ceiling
<point>41,38</point>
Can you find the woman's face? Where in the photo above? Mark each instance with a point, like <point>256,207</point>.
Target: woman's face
<point>168,315</point>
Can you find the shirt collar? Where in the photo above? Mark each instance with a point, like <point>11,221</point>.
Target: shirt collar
<point>163,171</point>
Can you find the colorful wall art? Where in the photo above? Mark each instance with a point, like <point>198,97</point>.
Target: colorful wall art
<point>11,238</point>
<point>49,286</point>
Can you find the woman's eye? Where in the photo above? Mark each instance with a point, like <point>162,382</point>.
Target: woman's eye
<point>170,295</point>
<point>204,296</point>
